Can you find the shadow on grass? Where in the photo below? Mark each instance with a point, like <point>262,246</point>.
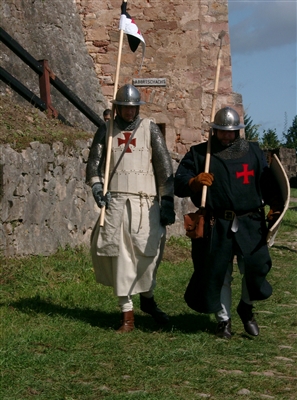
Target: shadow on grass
<point>185,323</point>
<point>281,247</point>
<point>288,225</point>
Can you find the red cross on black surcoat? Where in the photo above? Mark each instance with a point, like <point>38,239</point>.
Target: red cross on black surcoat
<point>245,173</point>
<point>124,141</point>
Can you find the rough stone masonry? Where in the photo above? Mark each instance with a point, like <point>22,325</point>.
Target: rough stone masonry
<point>45,203</point>
<point>44,200</point>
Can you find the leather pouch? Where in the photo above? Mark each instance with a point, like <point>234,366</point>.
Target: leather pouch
<point>194,224</point>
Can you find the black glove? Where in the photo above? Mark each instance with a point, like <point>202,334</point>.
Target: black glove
<point>167,214</point>
<point>102,201</point>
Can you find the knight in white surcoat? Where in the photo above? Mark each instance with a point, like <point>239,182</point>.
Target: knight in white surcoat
<point>127,250</point>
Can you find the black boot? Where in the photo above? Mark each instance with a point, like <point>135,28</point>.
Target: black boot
<point>149,306</point>
<point>224,329</point>
<point>245,311</point>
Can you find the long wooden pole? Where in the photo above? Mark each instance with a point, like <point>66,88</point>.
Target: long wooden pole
<point>213,110</point>
<point>109,142</point>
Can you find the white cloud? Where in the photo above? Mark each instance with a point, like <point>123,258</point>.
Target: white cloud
<point>261,25</point>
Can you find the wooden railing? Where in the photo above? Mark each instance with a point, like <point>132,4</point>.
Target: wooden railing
<point>46,79</point>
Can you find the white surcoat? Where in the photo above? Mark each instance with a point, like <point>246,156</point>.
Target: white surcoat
<point>127,250</point>
<point>135,172</point>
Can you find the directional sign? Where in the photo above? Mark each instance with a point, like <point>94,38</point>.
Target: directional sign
<point>149,82</point>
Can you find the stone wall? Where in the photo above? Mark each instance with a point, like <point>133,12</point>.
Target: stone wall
<point>44,201</point>
<point>52,30</point>
<point>287,158</point>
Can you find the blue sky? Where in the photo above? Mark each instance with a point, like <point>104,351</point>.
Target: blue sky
<point>263,36</point>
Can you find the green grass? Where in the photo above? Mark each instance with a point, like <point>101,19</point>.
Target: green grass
<point>58,337</point>
<point>21,124</point>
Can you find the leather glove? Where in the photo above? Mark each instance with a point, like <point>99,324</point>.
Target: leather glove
<point>204,178</point>
<point>167,214</point>
<point>102,201</point>
<point>276,207</point>
<point>272,217</point>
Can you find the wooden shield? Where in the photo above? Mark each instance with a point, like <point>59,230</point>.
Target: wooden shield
<point>283,181</point>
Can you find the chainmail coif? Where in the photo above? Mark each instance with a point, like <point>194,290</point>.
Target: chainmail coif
<point>237,149</point>
<point>126,126</point>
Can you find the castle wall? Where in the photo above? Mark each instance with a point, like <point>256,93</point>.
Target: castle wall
<point>52,30</point>
<point>182,46</point>
<point>44,202</point>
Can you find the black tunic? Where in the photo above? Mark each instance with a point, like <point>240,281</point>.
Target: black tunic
<point>242,184</point>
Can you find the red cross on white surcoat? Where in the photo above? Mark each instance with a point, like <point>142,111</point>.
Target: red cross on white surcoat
<point>124,141</point>
<point>245,174</point>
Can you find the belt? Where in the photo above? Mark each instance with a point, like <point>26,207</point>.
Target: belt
<point>229,215</point>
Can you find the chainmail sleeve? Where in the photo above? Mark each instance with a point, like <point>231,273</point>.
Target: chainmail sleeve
<point>162,163</point>
<point>96,160</point>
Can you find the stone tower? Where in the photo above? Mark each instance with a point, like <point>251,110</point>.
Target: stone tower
<point>182,46</point>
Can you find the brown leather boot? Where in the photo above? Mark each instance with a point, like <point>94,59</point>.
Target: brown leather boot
<point>127,322</point>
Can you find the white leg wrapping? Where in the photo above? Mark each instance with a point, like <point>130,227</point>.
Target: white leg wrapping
<point>226,296</point>
<point>125,303</point>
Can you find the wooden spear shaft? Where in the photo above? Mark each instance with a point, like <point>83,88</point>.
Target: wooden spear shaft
<point>109,142</point>
<point>213,110</point>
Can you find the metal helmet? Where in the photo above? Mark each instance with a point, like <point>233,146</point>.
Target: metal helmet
<point>227,119</point>
<point>128,95</point>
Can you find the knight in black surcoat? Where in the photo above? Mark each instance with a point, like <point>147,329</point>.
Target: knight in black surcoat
<point>240,184</point>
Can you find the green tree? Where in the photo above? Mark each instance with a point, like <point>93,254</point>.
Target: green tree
<point>251,130</point>
<point>290,137</point>
<point>269,140</point>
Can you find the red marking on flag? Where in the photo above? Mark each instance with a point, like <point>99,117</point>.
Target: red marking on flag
<point>124,141</point>
<point>245,174</point>
<point>133,22</point>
